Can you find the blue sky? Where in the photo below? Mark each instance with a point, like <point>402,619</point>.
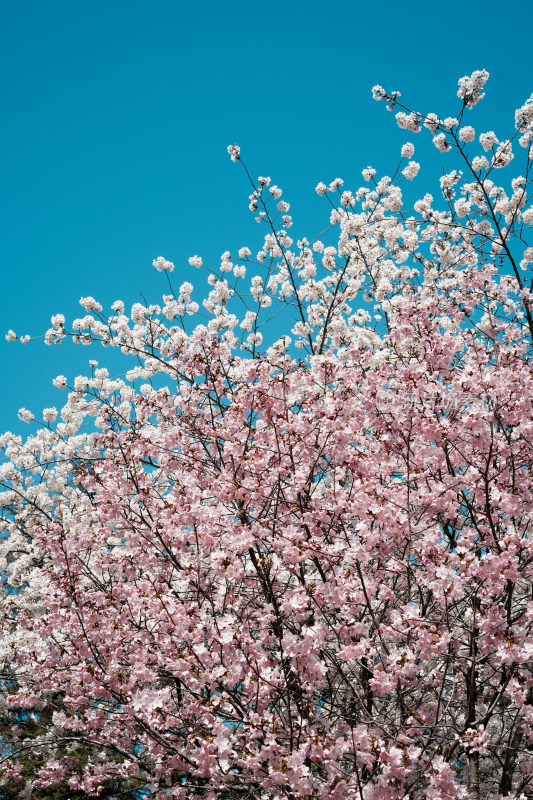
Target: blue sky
<point>118,114</point>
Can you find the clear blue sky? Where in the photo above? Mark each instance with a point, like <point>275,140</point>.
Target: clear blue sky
<point>117,116</point>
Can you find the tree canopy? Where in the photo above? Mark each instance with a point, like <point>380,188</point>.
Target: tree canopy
<point>295,566</point>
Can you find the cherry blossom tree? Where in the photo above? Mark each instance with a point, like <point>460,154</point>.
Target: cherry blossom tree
<point>299,568</point>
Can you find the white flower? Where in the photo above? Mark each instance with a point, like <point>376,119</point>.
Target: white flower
<point>321,188</point>
<point>368,173</point>
<point>440,142</point>
<point>138,313</point>
<point>487,140</point>
<point>470,87</point>
<point>347,199</point>
<point>450,122</point>
<point>503,155</point>
<point>467,134</point>
<point>244,252</point>
<point>234,151</point>
<point>248,321</point>
<point>527,216</point>
<point>450,179</point>
<point>80,383</point>
<point>25,415</point>
<point>408,150</point>
<point>11,336</point>
<point>254,338</point>
<point>195,261</point>
<point>162,265</point>
<point>185,289</point>
<point>173,309</point>
<point>409,122</point>
<point>49,414</point>
<point>60,382</point>
<point>424,206</point>
<point>480,162</point>
<point>432,123</point>
<point>462,207</point>
<point>411,170</point>
<point>89,304</point>
<point>524,115</point>
<point>58,320</point>
<point>526,139</point>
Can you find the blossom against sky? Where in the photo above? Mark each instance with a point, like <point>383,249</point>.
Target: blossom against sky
<point>118,115</point>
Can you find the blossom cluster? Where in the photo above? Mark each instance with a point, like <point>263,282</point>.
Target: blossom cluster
<point>299,565</point>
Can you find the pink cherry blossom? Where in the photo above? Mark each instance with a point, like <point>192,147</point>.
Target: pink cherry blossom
<point>296,561</point>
